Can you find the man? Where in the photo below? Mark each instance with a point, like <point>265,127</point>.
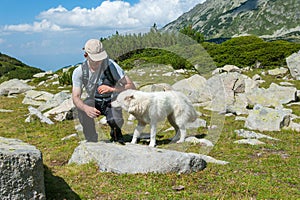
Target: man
<point>102,79</point>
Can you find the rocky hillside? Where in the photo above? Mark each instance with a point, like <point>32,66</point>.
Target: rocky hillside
<point>222,19</point>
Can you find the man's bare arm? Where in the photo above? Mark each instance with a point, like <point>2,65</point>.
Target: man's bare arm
<point>126,83</point>
<point>129,84</point>
<point>90,111</point>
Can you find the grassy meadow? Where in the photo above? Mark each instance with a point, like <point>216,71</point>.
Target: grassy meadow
<point>269,171</point>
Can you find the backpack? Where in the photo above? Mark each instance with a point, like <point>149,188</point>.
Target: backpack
<point>107,79</point>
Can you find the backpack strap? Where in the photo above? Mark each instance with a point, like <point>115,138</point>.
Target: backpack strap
<point>90,89</point>
<point>85,74</point>
<point>108,75</point>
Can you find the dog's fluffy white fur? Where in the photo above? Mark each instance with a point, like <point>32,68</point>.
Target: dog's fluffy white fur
<point>153,107</point>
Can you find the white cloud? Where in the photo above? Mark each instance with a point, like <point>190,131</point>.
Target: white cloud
<point>44,25</point>
<point>109,15</point>
<point>1,40</point>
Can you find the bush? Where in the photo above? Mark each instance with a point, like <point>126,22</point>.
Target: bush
<point>66,77</point>
<point>158,56</point>
<point>247,50</point>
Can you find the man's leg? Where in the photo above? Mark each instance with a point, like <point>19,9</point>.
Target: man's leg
<point>88,123</point>
<point>115,120</point>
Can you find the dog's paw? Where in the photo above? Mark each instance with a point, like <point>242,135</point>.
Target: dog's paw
<point>179,141</point>
<point>152,144</point>
<point>133,141</point>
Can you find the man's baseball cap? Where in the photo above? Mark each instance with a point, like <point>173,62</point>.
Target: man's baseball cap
<point>94,48</point>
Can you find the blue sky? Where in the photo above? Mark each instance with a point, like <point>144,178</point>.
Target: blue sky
<point>50,34</point>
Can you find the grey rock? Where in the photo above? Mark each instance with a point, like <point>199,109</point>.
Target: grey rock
<point>249,141</point>
<point>36,98</point>
<point>192,87</point>
<point>201,141</point>
<point>36,112</point>
<point>156,87</point>
<point>39,95</point>
<point>68,137</point>
<point>256,77</point>
<point>42,74</point>
<point>226,68</point>
<point>31,102</point>
<point>239,118</point>
<point>274,96</point>
<point>13,86</point>
<point>134,158</point>
<point>223,89</point>
<point>55,101</point>
<point>267,119</point>
<point>286,84</point>
<point>231,68</point>
<point>210,159</point>
<point>5,111</point>
<point>196,124</point>
<point>239,106</point>
<point>21,171</point>
<point>278,71</point>
<point>293,63</point>
<point>294,126</point>
<point>252,134</point>
<point>60,112</point>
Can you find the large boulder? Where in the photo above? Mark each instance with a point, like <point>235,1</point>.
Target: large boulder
<point>35,112</point>
<point>21,171</point>
<point>267,119</point>
<point>223,89</point>
<point>192,87</point>
<point>293,63</point>
<point>60,112</point>
<point>274,96</point>
<point>36,98</point>
<point>55,101</point>
<point>135,158</point>
<point>13,86</point>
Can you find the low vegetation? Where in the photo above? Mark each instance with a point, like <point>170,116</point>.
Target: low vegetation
<point>249,50</point>
<point>13,68</point>
<point>269,171</point>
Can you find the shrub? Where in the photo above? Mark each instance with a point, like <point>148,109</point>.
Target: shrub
<point>66,77</point>
<point>247,50</point>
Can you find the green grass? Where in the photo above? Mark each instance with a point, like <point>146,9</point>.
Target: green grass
<point>261,172</point>
<point>269,171</point>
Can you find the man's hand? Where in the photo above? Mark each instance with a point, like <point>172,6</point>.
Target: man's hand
<point>105,89</point>
<point>91,112</point>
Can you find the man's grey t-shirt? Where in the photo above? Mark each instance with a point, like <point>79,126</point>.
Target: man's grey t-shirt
<point>116,71</point>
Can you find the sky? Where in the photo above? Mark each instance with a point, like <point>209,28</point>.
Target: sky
<point>50,34</point>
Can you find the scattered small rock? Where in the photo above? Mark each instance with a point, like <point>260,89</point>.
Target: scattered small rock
<point>249,141</point>
<point>178,187</point>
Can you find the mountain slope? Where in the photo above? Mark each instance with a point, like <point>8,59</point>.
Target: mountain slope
<point>227,18</point>
<point>13,68</point>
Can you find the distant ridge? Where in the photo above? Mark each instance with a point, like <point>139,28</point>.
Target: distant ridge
<point>270,19</point>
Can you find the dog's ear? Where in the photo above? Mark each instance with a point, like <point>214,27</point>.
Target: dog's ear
<point>129,97</point>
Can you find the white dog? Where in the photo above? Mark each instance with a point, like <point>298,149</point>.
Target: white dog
<point>153,107</point>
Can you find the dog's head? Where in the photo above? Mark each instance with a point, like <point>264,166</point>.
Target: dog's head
<point>132,101</point>
<point>123,100</point>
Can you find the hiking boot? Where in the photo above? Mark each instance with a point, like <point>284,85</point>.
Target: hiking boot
<point>116,136</point>
<point>120,138</point>
<point>113,136</point>
<point>121,141</point>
